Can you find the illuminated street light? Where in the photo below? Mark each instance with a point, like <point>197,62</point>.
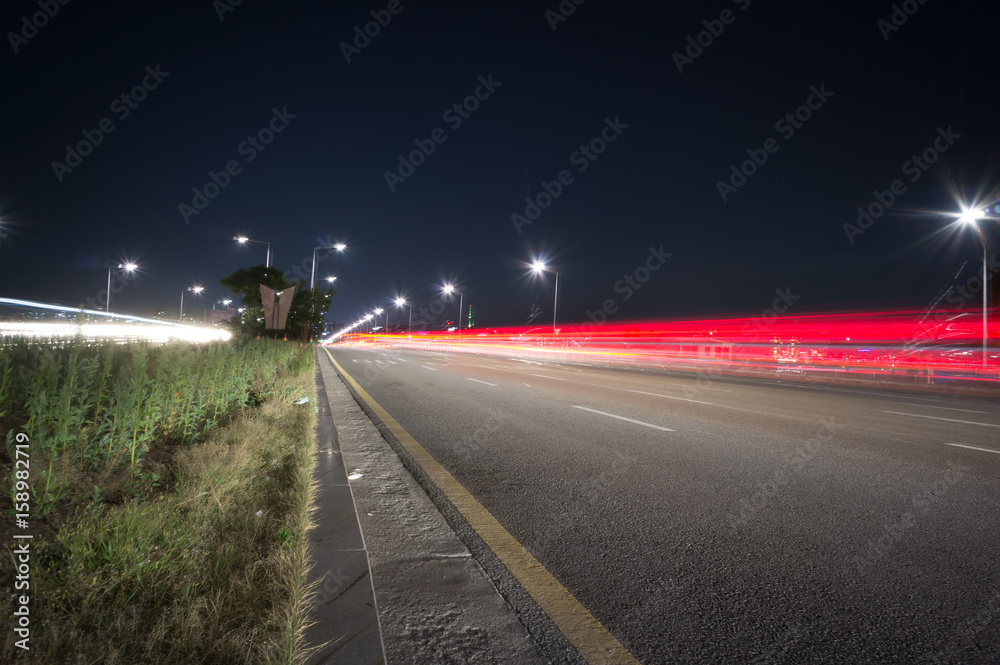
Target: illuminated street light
<point>401,302</point>
<point>243,240</point>
<point>193,289</point>
<point>331,279</point>
<point>124,267</point>
<point>539,267</point>
<point>312,277</point>
<point>971,216</point>
<point>448,289</point>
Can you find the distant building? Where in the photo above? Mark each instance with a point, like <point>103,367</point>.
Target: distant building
<point>216,317</point>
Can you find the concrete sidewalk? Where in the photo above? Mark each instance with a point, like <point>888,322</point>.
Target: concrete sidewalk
<point>407,590</point>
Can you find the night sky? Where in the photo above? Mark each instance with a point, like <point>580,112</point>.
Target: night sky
<point>222,72</point>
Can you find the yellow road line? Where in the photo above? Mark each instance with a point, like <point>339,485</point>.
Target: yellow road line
<point>591,639</point>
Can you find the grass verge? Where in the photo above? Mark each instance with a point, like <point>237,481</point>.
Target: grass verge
<point>209,570</point>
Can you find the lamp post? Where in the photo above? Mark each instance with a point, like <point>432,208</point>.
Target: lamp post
<point>312,277</point>
<point>970,216</point>
<point>243,240</point>
<point>379,310</point>
<point>193,289</point>
<point>449,289</point>
<point>539,267</point>
<point>126,267</point>
<point>400,302</point>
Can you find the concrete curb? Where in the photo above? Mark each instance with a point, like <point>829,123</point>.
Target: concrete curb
<point>344,621</point>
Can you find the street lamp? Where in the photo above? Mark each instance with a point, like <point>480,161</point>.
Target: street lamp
<point>449,289</point>
<point>400,302</point>
<point>193,289</point>
<point>125,267</point>
<point>312,277</point>
<point>539,267</point>
<point>970,216</point>
<point>379,310</point>
<point>243,240</point>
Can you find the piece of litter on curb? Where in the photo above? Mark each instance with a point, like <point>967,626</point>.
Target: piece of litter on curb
<point>260,513</point>
<point>302,401</point>
<point>355,475</point>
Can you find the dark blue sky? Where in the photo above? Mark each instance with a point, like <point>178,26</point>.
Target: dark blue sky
<point>323,176</point>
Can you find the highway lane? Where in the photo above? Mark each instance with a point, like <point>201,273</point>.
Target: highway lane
<point>719,519</point>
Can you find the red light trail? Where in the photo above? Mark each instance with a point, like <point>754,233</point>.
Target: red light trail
<point>893,345</point>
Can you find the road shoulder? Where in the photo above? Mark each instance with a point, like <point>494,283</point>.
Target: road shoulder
<point>435,602</point>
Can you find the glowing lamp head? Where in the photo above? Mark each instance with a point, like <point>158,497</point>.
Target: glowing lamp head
<point>226,302</point>
<point>369,317</point>
<point>538,266</point>
<point>448,288</point>
<point>241,238</point>
<point>378,310</point>
<point>970,215</point>
<point>331,279</point>
<point>130,267</point>
<point>400,302</point>
<point>340,247</point>
<point>197,289</point>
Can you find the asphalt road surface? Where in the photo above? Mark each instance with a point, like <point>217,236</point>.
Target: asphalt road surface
<point>725,520</point>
